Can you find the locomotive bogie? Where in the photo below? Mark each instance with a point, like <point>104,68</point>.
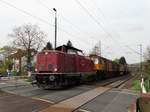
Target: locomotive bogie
<point>51,80</point>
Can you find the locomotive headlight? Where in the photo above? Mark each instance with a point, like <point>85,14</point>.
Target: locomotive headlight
<point>52,78</point>
<point>36,70</point>
<point>46,53</point>
<point>55,69</point>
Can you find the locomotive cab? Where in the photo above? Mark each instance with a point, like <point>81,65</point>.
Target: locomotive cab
<point>62,65</point>
<point>97,62</point>
<point>69,50</point>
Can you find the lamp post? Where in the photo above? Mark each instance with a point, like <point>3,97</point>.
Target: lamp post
<point>55,27</point>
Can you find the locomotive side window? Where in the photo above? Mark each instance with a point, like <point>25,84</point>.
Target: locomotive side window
<point>100,61</point>
<point>80,53</point>
<point>70,51</point>
<point>50,67</point>
<point>96,61</point>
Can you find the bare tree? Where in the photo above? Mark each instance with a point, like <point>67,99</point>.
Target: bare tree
<point>28,37</point>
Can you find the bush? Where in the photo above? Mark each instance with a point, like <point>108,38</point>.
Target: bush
<point>4,66</point>
<point>2,70</point>
<point>136,85</point>
<point>14,72</point>
<point>147,85</point>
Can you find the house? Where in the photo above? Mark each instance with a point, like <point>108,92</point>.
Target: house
<point>19,59</point>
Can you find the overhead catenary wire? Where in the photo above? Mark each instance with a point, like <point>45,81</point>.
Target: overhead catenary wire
<point>65,19</point>
<point>25,12</point>
<point>134,51</point>
<point>35,17</point>
<point>72,24</point>
<point>38,18</point>
<point>129,48</point>
<point>68,21</point>
<point>96,21</point>
<point>100,11</point>
<point>93,18</point>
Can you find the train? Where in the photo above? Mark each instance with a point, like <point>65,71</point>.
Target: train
<point>67,65</point>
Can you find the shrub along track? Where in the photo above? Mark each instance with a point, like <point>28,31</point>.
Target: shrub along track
<point>128,84</point>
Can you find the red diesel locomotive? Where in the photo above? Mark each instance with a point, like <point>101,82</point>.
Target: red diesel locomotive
<point>67,65</point>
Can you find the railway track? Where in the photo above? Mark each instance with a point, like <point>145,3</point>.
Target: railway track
<point>16,84</point>
<point>70,99</point>
<point>74,103</point>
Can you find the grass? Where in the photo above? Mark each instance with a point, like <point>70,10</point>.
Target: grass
<point>136,85</point>
<point>147,85</point>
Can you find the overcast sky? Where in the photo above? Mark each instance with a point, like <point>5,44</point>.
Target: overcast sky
<point>116,23</point>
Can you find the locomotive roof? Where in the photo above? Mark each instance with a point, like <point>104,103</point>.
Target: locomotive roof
<point>68,47</point>
<point>101,57</point>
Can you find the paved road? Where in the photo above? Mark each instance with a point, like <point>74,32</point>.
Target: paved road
<point>16,103</point>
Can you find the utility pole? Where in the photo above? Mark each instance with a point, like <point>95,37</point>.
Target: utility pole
<point>100,47</point>
<point>142,78</point>
<point>141,60</point>
<point>55,27</point>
